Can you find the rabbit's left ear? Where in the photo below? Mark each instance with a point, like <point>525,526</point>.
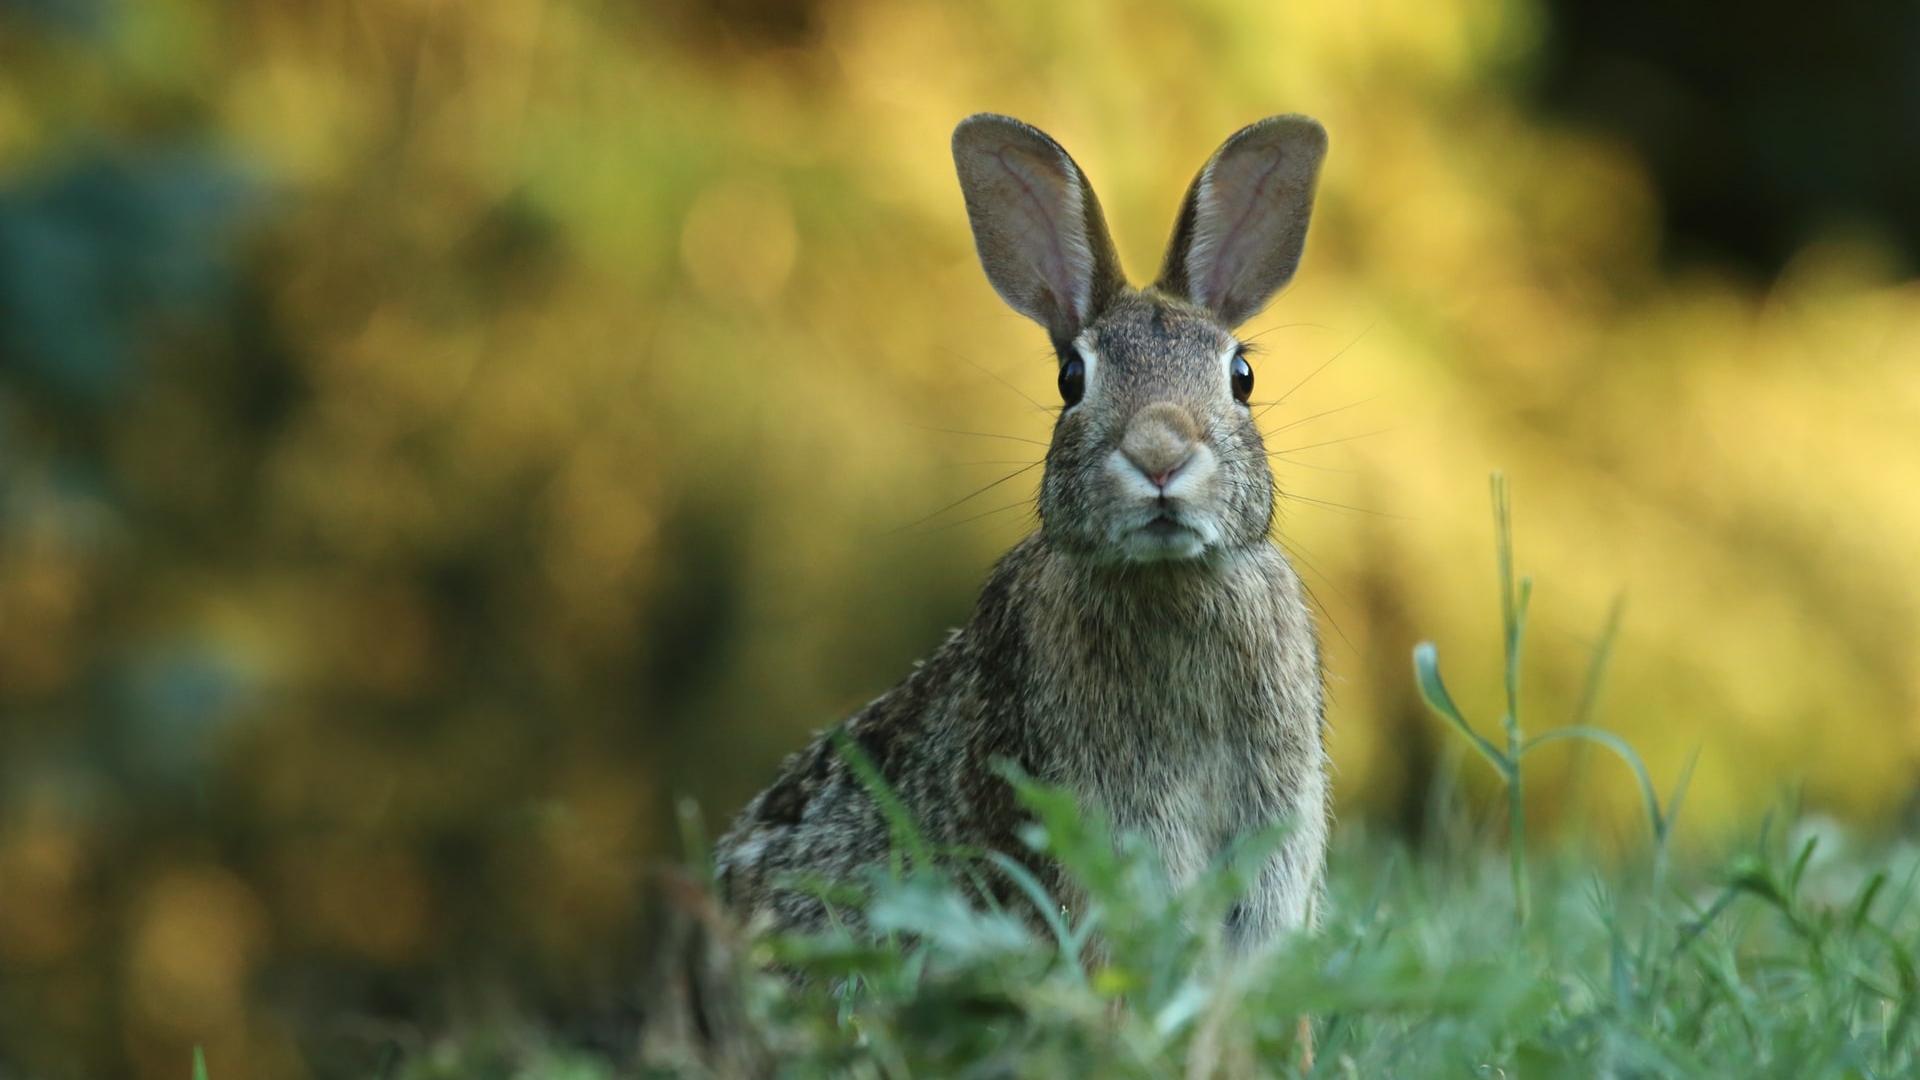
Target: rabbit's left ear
<point>1244,221</point>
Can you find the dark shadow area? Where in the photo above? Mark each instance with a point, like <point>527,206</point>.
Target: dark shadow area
<point>1763,124</point>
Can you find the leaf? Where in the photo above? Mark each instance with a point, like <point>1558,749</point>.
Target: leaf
<point>1426,671</point>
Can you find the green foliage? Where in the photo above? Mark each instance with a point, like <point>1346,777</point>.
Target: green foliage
<point>1793,961</point>
<point>1775,967</point>
<point>97,255</point>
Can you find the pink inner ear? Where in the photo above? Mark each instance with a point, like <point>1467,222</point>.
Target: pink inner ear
<point>1050,217</point>
<point>1237,219</point>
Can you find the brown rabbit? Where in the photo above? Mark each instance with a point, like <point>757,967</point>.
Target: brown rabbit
<point>1149,648</point>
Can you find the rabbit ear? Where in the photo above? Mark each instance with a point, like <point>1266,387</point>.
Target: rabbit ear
<point>1244,221</point>
<point>1036,223</point>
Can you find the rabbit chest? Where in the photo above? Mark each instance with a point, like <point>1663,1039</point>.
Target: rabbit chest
<point>1186,703</point>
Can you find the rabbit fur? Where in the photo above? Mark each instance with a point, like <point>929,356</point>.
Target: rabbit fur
<point>1149,648</point>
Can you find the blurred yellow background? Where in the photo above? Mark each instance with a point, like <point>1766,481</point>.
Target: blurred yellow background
<point>435,435</point>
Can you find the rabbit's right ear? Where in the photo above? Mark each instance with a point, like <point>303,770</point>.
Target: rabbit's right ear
<point>1036,224</point>
<point>1244,222</point>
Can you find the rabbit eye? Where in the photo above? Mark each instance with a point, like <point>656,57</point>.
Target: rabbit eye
<point>1073,381</point>
<point>1242,379</point>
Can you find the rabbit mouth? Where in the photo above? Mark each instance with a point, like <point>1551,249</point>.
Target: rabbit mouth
<point>1163,537</point>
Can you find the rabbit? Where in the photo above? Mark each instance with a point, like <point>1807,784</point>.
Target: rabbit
<point>1149,648</point>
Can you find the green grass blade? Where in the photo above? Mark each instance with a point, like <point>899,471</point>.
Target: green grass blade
<point>906,832</point>
<point>1597,666</point>
<point>1503,552</point>
<point>1679,796</point>
<point>1513,602</point>
<point>1516,639</point>
<point>1625,752</point>
<point>1049,908</point>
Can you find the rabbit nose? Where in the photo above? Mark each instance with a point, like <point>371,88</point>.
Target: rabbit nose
<point>1159,441</point>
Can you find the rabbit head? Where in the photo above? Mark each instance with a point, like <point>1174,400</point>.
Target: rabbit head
<point>1155,456</point>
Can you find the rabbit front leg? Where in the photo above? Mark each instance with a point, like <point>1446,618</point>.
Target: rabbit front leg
<point>1284,900</point>
<point>1285,892</point>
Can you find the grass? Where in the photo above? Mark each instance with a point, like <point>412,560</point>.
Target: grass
<point>1792,956</point>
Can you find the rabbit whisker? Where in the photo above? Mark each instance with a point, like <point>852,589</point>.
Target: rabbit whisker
<point>1330,505</point>
<point>1323,366</point>
<point>997,377</point>
<point>965,499</point>
<point>1301,555</point>
<point>1316,468</point>
<point>975,517</point>
<point>1251,338</point>
<point>1316,416</point>
<point>981,434</point>
<point>1329,442</point>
